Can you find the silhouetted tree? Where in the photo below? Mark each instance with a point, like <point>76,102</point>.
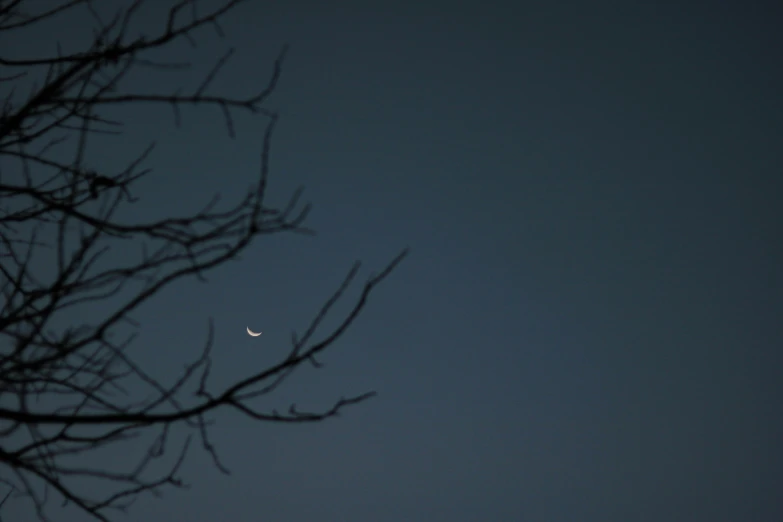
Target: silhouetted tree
<point>59,389</point>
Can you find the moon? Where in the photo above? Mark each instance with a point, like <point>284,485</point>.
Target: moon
<point>252,333</point>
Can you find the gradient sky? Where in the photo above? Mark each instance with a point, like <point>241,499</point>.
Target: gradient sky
<point>588,327</point>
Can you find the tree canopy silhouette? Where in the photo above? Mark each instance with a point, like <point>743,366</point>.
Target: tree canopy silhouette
<point>59,387</point>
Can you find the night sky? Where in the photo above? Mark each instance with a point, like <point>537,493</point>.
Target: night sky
<point>588,326</point>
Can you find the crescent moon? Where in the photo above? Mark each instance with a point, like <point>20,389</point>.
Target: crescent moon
<point>251,332</point>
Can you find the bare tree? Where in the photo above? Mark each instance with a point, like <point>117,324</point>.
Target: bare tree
<point>59,388</point>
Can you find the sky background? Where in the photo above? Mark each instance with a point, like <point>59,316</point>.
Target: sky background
<point>588,326</point>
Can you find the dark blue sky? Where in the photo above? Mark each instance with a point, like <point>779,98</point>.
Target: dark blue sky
<point>588,327</point>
